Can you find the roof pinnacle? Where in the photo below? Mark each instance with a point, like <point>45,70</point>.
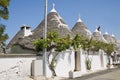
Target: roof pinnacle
<point>79,20</point>
<point>53,8</point>
<point>113,35</point>
<point>106,33</point>
<point>24,24</point>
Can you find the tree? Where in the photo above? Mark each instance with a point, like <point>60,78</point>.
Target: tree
<point>93,46</point>
<point>3,38</point>
<point>76,43</point>
<point>54,46</point>
<point>4,13</point>
<point>87,45</point>
<point>108,48</point>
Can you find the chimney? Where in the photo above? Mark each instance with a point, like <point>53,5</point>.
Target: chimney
<point>26,30</point>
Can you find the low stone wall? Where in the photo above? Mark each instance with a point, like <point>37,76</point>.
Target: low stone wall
<point>12,65</point>
<point>15,65</point>
<point>98,60</point>
<point>66,62</point>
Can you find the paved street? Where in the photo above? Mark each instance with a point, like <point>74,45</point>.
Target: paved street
<point>112,74</point>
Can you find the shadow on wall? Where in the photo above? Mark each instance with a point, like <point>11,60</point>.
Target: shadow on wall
<point>65,63</point>
<point>64,55</point>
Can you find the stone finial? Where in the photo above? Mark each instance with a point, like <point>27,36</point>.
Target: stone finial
<point>53,8</point>
<point>106,33</point>
<point>79,19</point>
<point>113,35</point>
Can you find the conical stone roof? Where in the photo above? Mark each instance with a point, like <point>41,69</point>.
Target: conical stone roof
<point>16,38</point>
<point>54,22</point>
<point>98,36</point>
<point>117,47</point>
<point>108,38</point>
<point>117,43</point>
<point>81,29</point>
<point>112,39</point>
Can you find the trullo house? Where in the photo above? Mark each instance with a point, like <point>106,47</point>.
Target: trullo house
<point>22,41</point>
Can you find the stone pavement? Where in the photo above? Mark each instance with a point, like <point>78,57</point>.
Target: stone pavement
<point>43,78</point>
<point>109,74</point>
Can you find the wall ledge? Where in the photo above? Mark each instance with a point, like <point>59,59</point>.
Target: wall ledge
<point>17,55</point>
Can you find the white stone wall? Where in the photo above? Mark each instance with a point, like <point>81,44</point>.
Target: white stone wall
<point>98,60</point>
<point>66,63</point>
<point>82,58</point>
<point>12,68</point>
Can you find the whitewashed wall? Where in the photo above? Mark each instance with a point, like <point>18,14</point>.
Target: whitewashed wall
<point>82,61</point>
<point>98,60</point>
<point>13,66</point>
<point>66,63</point>
<point>21,65</point>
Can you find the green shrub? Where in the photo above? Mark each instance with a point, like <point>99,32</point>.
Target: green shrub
<point>88,63</point>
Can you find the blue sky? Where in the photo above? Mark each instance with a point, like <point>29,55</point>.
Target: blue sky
<point>105,13</point>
